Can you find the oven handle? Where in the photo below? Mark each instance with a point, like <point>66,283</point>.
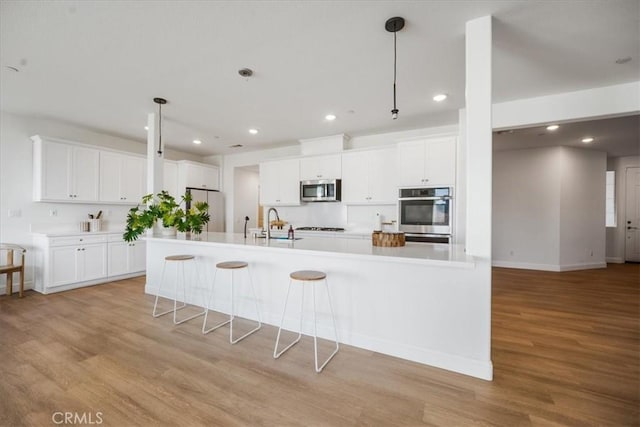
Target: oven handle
<point>426,198</point>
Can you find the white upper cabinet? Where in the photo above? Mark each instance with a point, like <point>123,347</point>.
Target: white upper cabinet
<point>321,167</point>
<point>198,175</point>
<point>369,177</point>
<point>65,172</point>
<point>122,178</point>
<point>170,178</point>
<point>280,183</point>
<point>427,162</point>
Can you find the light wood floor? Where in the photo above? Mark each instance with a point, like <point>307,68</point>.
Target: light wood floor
<point>565,352</point>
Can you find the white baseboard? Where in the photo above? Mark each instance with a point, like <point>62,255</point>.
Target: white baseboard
<point>70,286</point>
<point>525,265</point>
<point>548,267</point>
<point>585,266</point>
<point>615,260</point>
<point>482,369</point>
<point>16,287</point>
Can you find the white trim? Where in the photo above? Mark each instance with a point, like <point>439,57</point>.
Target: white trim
<point>548,267</point>
<point>614,260</point>
<point>525,265</point>
<point>584,266</point>
<point>67,287</point>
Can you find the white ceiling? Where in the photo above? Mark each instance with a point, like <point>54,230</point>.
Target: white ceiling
<point>618,136</point>
<point>99,64</point>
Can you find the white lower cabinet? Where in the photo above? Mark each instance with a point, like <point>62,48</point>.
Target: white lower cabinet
<point>126,258</point>
<point>77,263</point>
<point>63,266</point>
<point>74,261</point>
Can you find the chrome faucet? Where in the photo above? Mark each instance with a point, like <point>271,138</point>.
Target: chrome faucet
<point>269,220</point>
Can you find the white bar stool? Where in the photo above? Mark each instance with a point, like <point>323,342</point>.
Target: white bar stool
<point>308,276</point>
<point>232,266</point>
<point>179,261</point>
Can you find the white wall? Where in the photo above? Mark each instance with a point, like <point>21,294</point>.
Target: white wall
<point>247,185</point>
<point>548,208</point>
<point>16,182</point>
<point>616,235</point>
<point>526,207</point>
<point>582,208</point>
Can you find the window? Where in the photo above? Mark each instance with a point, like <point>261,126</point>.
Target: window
<point>611,199</point>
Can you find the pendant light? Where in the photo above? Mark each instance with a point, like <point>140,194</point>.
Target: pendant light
<point>393,25</point>
<point>160,102</point>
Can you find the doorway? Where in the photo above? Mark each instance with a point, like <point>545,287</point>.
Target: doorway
<point>632,215</point>
<point>246,193</point>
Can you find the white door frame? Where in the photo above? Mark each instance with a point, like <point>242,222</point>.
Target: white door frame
<point>631,213</point>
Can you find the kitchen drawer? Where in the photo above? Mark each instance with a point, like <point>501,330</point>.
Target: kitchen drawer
<point>77,240</point>
<point>116,237</point>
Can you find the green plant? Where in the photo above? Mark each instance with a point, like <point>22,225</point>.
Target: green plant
<point>164,207</point>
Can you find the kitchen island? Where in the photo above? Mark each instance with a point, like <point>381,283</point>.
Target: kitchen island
<point>422,302</point>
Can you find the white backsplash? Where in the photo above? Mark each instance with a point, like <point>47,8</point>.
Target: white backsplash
<point>351,218</point>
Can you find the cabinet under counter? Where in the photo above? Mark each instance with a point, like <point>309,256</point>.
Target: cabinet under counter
<point>66,261</point>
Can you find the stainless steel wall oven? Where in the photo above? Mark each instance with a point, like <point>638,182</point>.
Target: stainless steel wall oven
<point>426,213</point>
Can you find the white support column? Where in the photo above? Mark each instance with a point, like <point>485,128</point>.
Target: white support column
<point>478,136</point>
<point>155,161</point>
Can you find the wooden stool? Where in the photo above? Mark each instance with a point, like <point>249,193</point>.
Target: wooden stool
<point>231,266</point>
<point>179,261</point>
<point>312,277</point>
<point>9,268</point>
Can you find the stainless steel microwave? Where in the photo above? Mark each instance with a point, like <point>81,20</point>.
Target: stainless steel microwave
<point>321,190</point>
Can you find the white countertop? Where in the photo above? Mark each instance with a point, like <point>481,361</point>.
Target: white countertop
<point>412,252</point>
<point>76,233</point>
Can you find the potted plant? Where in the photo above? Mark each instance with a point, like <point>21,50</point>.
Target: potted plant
<point>165,208</point>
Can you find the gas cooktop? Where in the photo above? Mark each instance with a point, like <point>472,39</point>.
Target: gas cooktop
<point>320,229</point>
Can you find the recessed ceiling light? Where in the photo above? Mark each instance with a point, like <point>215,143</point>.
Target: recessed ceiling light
<point>587,140</point>
<point>146,128</point>
<point>330,117</point>
<point>197,141</point>
<point>552,127</point>
<point>440,97</point>
<point>253,131</point>
<point>623,60</point>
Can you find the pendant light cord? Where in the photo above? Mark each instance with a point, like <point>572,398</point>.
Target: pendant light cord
<point>395,60</point>
<point>159,129</point>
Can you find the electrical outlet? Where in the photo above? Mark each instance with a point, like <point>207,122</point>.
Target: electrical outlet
<point>14,213</point>
<point>511,253</point>
<point>53,212</point>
